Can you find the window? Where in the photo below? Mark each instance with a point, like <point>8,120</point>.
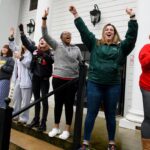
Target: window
<point>33,4</point>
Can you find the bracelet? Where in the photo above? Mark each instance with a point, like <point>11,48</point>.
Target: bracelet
<point>44,18</point>
<point>11,38</point>
<point>132,16</point>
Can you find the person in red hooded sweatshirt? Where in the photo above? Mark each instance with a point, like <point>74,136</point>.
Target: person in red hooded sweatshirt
<point>144,83</point>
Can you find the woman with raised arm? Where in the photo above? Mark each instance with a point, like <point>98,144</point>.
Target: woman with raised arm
<point>22,78</point>
<point>66,68</point>
<point>41,67</point>
<point>107,57</point>
<point>144,58</point>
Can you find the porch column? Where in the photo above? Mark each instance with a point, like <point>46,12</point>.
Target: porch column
<point>135,115</point>
<point>42,5</point>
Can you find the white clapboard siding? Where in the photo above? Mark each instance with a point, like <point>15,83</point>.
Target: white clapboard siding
<point>112,11</point>
<point>25,16</point>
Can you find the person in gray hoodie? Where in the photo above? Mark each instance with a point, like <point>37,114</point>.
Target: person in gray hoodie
<point>6,69</point>
<point>66,68</point>
<point>22,78</point>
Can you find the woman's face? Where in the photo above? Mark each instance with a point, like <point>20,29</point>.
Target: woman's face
<point>109,33</point>
<point>4,51</point>
<point>43,45</point>
<point>66,37</point>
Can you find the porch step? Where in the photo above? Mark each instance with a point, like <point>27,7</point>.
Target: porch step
<point>43,136</point>
<point>21,141</point>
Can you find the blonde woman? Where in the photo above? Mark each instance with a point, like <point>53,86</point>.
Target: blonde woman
<point>107,56</point>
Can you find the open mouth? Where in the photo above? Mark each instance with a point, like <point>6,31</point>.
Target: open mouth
<point>68,38</point>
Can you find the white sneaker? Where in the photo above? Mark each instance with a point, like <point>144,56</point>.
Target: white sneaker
<point>65,135</point>
<point>54,132</point>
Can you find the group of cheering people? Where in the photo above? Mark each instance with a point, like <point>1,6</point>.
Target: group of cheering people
<point>33,67</point>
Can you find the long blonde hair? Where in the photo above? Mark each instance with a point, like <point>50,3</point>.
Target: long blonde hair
<point>116,38</point>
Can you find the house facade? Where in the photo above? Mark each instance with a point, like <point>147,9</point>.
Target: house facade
<point>14,12</point>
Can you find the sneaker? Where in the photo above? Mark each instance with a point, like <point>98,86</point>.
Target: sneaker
<point>54,132</point>
<point>112,147</point>
<point>15,119</point>
<point>65,135</point>
<point>84,147</point>
<point>22,122</point>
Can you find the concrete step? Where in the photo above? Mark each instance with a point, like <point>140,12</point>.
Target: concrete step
<point>64,144</point>
<point>21,141</point>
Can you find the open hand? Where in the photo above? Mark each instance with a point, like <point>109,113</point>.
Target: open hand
<point>46,12</point>
<point>11,32</point>
<point>17,55</point>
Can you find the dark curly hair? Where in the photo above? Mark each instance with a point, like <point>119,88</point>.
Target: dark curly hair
<point>9,53</point>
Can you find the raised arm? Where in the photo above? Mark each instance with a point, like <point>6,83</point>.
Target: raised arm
<point>12,44</point>
<point>45,34</point>
<point>128,44</point>
<point>25,41</point>
<point>88,37</point>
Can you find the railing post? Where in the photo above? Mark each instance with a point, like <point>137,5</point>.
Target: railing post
<point>5,125</point>
<point>79,106</point>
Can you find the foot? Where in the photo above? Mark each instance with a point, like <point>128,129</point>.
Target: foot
<point>84,147</point>
<point>65,135</point>
<point>42,127</point>
<point>54,132</point>
<point>15,119</point>
<point>34,123</point>
<point>111,146</point>
<point>23,122</point>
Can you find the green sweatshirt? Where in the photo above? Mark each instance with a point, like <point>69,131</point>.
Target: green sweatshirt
<point>106,60</point>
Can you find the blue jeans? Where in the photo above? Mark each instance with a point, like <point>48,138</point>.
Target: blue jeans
<point>96,93</point>
<point>4,91</point>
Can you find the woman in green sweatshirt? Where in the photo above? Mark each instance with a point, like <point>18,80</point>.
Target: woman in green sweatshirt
<point>107,56</point>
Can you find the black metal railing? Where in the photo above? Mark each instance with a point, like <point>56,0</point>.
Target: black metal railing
<point>6,113</point>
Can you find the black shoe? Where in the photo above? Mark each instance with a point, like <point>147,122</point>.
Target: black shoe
<point>34,123</point>
<point>42,127</point>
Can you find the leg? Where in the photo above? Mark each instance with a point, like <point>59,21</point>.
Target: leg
<point>26,97</point>
<point>94,98</point>
<point>4,86</point>
<point>69,101</point>
<point>69,96</point>
<point>44,90</point>
<point>145,128</point>
<point>58,97</point>
<point>36,83</point>
<point>17,97</point>
<point>112,95</point>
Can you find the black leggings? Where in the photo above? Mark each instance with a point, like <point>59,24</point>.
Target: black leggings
<point>145,128</point>
<point>40,85</point>
<point>65,96</point>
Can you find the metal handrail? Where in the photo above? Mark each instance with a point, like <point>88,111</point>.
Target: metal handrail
<point>47,95</point>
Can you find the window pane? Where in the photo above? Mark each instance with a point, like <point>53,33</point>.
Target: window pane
<point>33,4</point>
